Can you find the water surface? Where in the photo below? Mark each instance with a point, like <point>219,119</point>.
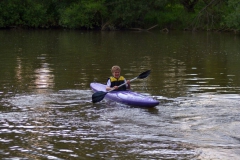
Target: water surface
<point>45,100</point>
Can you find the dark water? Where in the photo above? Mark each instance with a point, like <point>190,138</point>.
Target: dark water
<point>45,99</point>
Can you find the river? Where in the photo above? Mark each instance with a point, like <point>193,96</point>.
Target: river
<point>45,98</point>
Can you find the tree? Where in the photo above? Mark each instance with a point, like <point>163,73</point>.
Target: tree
<point>83,14</point>
<point>209,15</point>
<point>232,18</point>
<point>189,4</point>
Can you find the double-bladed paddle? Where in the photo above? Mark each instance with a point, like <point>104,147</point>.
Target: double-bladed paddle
<point>99,95</point>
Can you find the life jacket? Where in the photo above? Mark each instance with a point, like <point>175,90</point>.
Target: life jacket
<point>117,82</point>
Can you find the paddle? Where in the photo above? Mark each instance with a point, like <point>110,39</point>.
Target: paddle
<point>98,96</point>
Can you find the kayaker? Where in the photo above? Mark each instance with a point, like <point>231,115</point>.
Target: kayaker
<point>116,79</point>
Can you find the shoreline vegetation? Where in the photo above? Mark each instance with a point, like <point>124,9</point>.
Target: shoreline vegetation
<point>111,15</point>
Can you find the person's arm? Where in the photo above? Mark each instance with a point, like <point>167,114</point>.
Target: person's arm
<point>108,88</point>
<point>113,88</point>
<point>128,84</point>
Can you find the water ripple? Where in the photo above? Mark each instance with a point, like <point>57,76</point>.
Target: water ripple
<point>66,124</point>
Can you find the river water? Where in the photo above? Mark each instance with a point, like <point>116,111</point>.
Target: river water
<point>45,99</point>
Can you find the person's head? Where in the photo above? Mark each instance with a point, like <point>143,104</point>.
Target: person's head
<point>116,70</point>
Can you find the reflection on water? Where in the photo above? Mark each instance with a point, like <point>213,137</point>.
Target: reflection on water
<point>19,69</point>
<point>45,102</point>
<point>174,75</point>
<point>44,76</point>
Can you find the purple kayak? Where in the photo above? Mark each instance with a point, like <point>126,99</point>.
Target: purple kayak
<point>126,97</point>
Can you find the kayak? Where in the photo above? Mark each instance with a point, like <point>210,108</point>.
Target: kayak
<point>126,97</point>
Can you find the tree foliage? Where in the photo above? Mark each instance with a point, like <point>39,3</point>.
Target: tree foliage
<point>15,12</point>
<point>232,18</point>
<point>83,14</point>
<point>121,14</point>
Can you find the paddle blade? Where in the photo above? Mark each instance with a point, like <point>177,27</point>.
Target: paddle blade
<point>98,96</point>
<point>144,74</point>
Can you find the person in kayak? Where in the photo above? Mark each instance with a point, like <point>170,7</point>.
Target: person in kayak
<point>116,79</point>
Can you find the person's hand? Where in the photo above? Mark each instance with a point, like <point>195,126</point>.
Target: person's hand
<point>128,84</point>
<point>115,87</point>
